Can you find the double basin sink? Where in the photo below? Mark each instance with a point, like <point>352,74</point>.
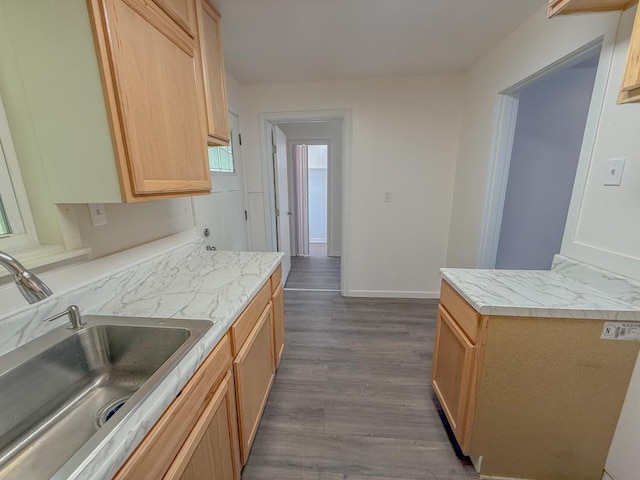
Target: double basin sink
<point>64,392</point>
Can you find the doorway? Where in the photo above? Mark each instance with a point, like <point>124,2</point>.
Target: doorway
<point>305,191</point>
<point>540,133</point>
<point>223,211</point>
<point>310,223</point>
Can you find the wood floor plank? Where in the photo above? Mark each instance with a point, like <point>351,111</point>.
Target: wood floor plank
<point>352,399</point>
<point>314,273</point>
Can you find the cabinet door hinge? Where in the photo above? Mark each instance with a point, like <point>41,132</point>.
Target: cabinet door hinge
<point>274,149</point>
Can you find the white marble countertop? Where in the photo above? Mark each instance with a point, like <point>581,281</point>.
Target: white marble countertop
<point>200,285</point>
<point>183,281</point>
<point>562,292</point>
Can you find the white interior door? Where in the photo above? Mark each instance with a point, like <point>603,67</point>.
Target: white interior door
<point>282,198</point>
<point>223,211</point>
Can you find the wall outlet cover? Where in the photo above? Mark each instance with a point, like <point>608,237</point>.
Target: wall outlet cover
<point>98,214</point>
<point>615,168</point>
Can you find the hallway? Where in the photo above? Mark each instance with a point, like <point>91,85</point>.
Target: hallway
<point>352,399</point>
<point>314,273</point>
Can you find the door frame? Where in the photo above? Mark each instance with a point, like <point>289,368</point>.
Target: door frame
<point>292,186</point>
<point>502,144</point>
<point>239,164</point>
<point>266,121</point>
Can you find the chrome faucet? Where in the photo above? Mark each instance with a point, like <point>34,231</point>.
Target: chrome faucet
<point>31,287</point>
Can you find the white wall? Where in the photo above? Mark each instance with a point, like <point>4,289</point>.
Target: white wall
<point>330,131</point>
<point>536,44</point>
<point>131,225</point>
<point>602,227</point>
<point>552,114</point>
<point>404,140</point>
<point>318,185</point>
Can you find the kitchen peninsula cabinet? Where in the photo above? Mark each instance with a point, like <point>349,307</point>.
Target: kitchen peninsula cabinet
<point>529,396</point>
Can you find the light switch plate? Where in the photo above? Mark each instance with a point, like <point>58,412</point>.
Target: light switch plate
<point>615,168</point>
<point>98,214</point>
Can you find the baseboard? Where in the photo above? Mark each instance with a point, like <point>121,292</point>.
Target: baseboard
<point>391,294</point>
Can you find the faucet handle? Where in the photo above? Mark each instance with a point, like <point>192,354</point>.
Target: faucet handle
<point>75,318</point>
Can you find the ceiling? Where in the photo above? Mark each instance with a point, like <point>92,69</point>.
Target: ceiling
<point>304,40</point>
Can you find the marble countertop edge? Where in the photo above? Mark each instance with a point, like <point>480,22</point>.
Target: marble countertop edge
<point>532,293</point>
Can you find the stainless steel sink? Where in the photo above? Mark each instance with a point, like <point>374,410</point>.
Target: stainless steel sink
<point>61,394</point>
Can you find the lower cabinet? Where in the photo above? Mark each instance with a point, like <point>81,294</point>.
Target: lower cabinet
<point>211,452</point>
<point>529,397</point>
<point>179,423</point>
<point>453,363</point>
<point>254,371</point>
<point>208,430</point>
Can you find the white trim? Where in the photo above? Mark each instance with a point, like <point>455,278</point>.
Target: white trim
<point>502,145</point>
<point>393,294</point>
<point>265,121</point>
<point>570,247</point>
<point>15,198</point>
<point>503,136</point>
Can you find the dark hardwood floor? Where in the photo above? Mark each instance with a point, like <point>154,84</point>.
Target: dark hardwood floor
<point>352,400</point>
<point>314,273</point>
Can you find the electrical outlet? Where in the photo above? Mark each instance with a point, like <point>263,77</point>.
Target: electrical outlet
<point>615,167</point>
<point>98,214</point>
<point>387,196</point>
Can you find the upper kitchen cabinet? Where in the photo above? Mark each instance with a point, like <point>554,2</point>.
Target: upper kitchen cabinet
<point>631,82</point>
<point>565,7</point>
<point>153,86</point>
<point>114,92</point>
<point>213,66</point>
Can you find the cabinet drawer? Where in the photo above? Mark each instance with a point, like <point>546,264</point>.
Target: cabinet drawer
<point>463,313</point>
<point>249,317</point>
<point>276,278</point>
<point>157,450</point>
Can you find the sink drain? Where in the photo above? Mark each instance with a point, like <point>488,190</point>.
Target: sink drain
<point>109,410</point>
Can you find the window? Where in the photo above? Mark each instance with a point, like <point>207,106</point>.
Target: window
<point>221,159</point>
<point>16,225</point>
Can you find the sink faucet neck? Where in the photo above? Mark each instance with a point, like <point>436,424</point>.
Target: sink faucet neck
<point>31,287</point>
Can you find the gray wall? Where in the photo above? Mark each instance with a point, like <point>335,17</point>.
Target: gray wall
<point>549,130</point>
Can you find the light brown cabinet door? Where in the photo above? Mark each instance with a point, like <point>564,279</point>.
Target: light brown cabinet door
<point>453,362</point>
<point>631,81</point>
<point>254,372</point>
<point>183,12</point>
<point>565,7</point>
<point>212,451</point>
<point>278,324</point>
<point>155,98</point>
<point>213,66</point>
